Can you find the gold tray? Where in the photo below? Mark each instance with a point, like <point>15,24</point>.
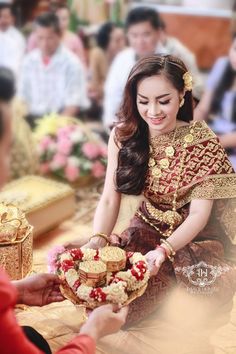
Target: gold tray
<point>69,295</point>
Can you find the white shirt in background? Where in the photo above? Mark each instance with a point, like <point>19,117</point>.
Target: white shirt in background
<point>52,87</point>
<point>122,65</point>
<point>12,49</point>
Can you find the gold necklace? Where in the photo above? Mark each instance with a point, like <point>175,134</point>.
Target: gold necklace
<point>170,217</point>
<point>164,163</point>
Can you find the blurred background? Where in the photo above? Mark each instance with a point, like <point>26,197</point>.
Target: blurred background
<point>106,39</point>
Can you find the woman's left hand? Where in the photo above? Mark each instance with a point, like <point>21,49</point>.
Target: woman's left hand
<point>155,259</point>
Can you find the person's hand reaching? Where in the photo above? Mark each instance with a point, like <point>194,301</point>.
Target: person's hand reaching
<point>104,320</point>
<point>39,290</point>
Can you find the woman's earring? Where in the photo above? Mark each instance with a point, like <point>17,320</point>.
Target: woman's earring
<point>181,102</point>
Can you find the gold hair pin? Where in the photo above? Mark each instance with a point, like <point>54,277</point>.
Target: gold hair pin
<point>188,81</point>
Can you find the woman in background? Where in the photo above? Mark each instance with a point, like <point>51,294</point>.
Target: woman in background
<point>218,104</point>
<point>110,41</point>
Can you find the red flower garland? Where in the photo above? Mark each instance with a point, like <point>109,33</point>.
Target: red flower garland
<point>98,295</point>
<point>67,264</point>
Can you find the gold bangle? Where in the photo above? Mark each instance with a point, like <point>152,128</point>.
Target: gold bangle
<point>100,234</point>
<point>170,248</point>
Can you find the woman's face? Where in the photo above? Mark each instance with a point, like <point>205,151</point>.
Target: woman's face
<point>158,103</point>
<point>5,144</point>
<point>117,40</point>
<point>64,18</point>
<point>232,54</point>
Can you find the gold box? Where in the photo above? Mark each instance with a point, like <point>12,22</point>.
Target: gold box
<point>17,257</point>
<point>45,202</point>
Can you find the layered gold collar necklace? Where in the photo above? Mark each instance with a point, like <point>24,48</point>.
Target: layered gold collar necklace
<point>170,217</point>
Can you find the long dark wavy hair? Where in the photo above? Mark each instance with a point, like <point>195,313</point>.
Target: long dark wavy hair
<point>225,84</point>
<point>132,131</point>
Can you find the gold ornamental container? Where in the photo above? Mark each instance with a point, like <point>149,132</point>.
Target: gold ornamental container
<point>16,242</point>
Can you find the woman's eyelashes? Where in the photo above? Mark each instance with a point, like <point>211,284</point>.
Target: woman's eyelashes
<point>161,102</point>
<point>164,102</point>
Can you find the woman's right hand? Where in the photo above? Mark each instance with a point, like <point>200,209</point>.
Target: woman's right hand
<point>75,244</point>
<point>95,243</point>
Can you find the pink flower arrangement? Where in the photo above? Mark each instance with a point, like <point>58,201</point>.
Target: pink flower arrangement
<point>52,258</point>
<point>70,153</point>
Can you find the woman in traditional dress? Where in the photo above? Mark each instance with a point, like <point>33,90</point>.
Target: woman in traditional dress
<point>188,183</point>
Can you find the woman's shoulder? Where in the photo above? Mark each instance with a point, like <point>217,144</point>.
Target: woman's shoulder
<point>201,131</point>
<point>97,52</point>
<point>198,129</point>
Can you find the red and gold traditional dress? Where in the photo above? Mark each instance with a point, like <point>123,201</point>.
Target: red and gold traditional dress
<point>196,167</point>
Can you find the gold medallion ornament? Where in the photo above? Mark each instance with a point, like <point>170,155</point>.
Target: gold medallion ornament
<point>170,151</point>
<point>188,138</point>
<point>156,172</point>
<point>164,163</point>
<point>151,162</point>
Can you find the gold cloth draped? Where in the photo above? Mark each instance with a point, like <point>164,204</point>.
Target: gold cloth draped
<point>207,174</point>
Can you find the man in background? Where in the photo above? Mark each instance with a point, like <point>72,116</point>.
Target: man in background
<point>52,78</point>
<point>145,32</point>
<point>12,42</point>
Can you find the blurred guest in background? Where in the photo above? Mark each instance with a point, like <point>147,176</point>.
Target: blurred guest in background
<point>12,42</point>
<point>145,35</point>
<point>110,41</point>
<point>68,38</point>
<point>176,48</point>
<point>219,101</point>
<point>23,154</point>
<point>52,78</point>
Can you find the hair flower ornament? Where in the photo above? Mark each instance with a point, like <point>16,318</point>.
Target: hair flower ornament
<point>188,81</point>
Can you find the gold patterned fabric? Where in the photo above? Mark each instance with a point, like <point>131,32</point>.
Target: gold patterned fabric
<point>207,171</point>
<point>197,168</point>
<point>206,174</point>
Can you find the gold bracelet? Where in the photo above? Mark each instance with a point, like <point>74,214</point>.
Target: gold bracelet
<point>170,248</point>
<point>100,234</point>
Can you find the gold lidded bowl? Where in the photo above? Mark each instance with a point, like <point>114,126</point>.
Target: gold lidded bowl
<point>114,257</point>
<point>93,273</point>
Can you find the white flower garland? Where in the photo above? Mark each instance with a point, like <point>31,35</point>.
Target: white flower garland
<point>120,284</point>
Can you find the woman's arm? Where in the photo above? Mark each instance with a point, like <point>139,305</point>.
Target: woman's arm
<point>197,219</point>
<point>108,207</point>
<point>202,110</point>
